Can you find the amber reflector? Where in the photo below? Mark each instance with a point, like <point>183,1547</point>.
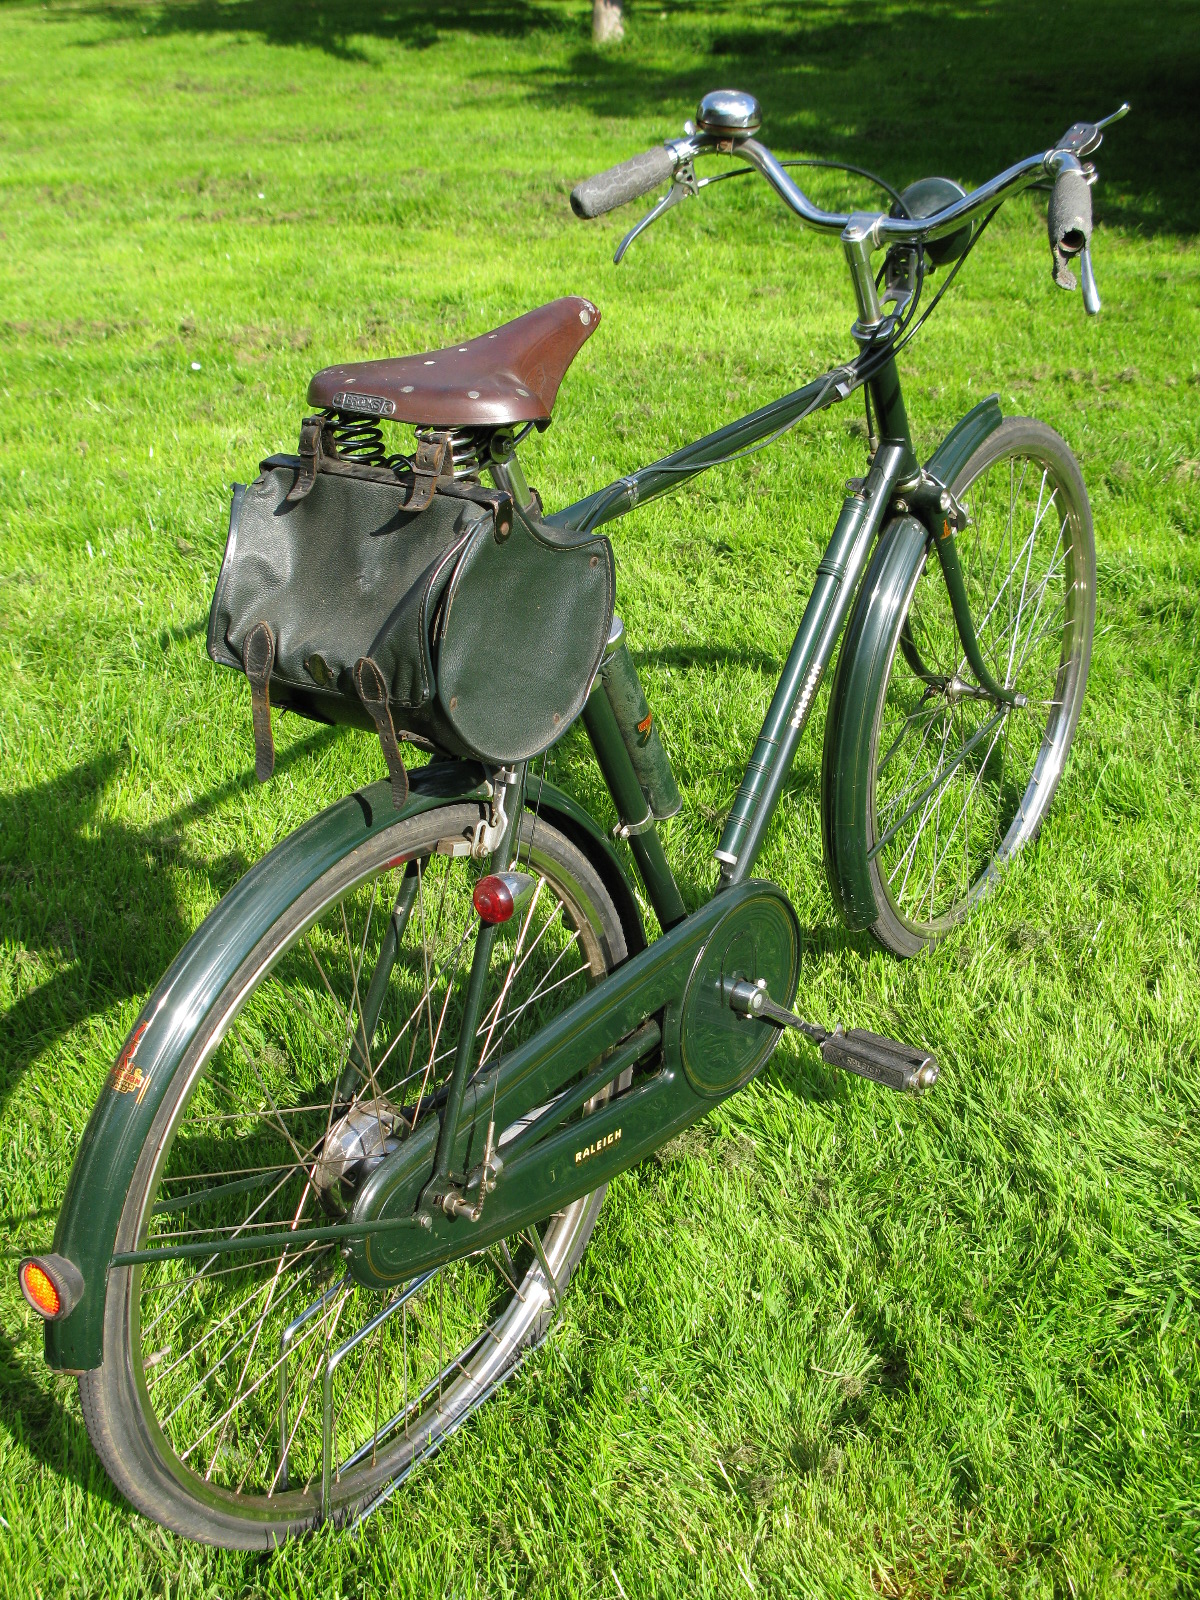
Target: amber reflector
<point>39,1289</point>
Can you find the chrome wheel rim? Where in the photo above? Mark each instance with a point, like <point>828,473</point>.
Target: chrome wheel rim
<point>959,782</point>
<point>273,1388</point>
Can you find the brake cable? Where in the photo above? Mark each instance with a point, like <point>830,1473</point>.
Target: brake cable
<point>902,332</point>
<point>813,161</point>
<point>911,333</point>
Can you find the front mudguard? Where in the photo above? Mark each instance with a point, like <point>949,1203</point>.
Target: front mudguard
<point>882,597</point>
<point>104,1166</point>
<point>964,438</point>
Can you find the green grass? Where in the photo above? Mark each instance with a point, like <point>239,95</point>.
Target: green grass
<point>828,1342</point>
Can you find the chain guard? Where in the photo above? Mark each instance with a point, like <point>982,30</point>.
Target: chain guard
<point>706,1052</point>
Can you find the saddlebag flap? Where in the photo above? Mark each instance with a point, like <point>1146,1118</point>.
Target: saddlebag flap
<point>430,626</point>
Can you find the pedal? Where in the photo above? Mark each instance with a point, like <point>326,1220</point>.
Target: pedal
<point>870,1055</point>
<point>885,1061</point>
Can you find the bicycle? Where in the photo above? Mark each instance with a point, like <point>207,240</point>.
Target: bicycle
<point>358,1139</point>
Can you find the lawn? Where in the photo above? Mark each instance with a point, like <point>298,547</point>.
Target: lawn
<point>829,1342</point>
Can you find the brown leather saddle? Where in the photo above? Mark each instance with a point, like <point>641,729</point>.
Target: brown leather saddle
<point>506,377</point>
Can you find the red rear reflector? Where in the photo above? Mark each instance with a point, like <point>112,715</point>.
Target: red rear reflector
<point>39,1289</point>
<point>493,899</point>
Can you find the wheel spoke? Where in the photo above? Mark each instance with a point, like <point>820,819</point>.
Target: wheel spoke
<point>960,782</point>
<point>241,1379</point>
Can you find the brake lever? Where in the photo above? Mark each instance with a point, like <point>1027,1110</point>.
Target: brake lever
<point>1082,138</point>
<point>1087,282</point>
<point>683,187</point>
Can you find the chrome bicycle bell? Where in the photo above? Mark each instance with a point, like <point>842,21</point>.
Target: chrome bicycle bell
<point>729,113</point>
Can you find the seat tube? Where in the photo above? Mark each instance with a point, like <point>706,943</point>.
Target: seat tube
<point>636,821</point>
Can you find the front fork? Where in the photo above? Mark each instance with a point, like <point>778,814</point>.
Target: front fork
<point>934,505</point>
<point>943,521</point>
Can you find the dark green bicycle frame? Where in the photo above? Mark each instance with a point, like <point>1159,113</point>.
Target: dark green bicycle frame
<point>894,470</point>
<point>632,1016</point>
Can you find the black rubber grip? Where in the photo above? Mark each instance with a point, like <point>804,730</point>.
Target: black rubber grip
<point>637,176</point>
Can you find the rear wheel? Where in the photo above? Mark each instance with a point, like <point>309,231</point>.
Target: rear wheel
<point>231,1383</point>
<point>948,784</point>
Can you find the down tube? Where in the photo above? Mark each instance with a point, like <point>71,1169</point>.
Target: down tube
<point>838,573</point>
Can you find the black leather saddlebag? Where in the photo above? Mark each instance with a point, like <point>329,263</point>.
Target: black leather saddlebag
<point>434,626</point>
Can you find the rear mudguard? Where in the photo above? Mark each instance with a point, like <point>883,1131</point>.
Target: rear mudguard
<point>87,1225</point>
<point>883,594</point>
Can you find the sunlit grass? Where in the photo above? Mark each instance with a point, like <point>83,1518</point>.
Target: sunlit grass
<point>829,1341</point>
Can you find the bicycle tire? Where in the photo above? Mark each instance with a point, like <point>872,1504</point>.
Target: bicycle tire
<point>879,796</point>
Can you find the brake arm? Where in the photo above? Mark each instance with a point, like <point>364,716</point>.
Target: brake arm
<point>937,507</point>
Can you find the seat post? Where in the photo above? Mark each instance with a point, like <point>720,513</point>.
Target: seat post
<point>510,476</point>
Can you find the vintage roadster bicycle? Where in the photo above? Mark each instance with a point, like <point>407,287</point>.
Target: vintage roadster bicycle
<point>357,1140</point>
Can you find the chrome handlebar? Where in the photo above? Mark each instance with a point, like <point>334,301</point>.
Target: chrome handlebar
<point>862,231</point>
<point>1081,139</point>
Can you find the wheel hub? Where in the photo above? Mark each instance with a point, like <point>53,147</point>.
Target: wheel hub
<point>352,1148</point>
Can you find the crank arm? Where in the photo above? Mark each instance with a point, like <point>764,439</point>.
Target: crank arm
<point>870,1055</point>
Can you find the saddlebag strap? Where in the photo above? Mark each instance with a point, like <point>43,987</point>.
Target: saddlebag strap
<point>258,659</point>
<point>428,464</point>
<point>372,691</point>
<point>498,501</point>
<point>310,452</point>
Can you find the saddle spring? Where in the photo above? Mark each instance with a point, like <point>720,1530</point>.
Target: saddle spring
<point>360,439</point>
<point>465,447</point>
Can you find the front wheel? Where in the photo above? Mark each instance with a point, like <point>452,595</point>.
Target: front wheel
<point>245,1397</point>
<point>929,785</point>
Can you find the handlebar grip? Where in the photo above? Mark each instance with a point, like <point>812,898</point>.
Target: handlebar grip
<point>624,182</point>
<point>1069,224</point>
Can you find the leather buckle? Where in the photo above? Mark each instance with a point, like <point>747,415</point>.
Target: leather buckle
<point>311,451</point>
<point>372,691</point>
<point>428,465</point>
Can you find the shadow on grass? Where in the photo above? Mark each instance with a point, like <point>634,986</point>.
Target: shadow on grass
<point>705,657</point>
<point>335,28</point>
<point>94,898</point>
<point>33,1416</point>
<point>908,88</point>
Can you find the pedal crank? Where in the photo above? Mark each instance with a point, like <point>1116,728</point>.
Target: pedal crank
<point>870,1055</point>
